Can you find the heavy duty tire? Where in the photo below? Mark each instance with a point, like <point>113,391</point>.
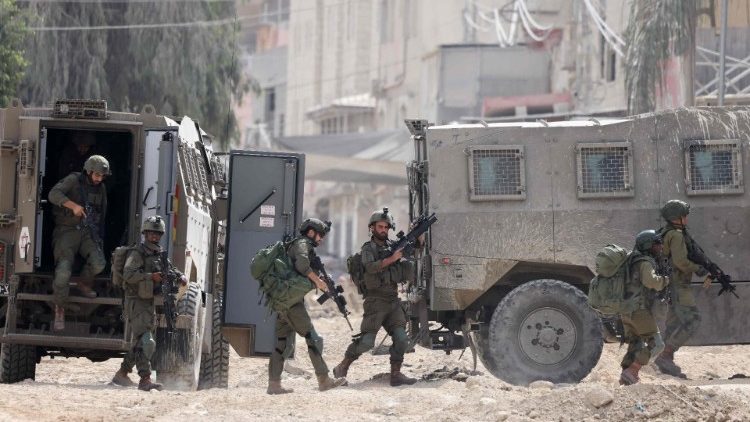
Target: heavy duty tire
<point>543,330</point>
<point>178,358</point>
<point>18,362</point>
<point>215,365</point>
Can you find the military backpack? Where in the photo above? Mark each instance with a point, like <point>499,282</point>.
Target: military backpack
<point>356,271</point>
<point>607,290</point>
<point>119,256</point>
<point>279,282</point>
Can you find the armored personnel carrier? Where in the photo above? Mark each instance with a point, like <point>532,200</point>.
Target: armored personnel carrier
<point>159,166</point>
<point>523,208</point>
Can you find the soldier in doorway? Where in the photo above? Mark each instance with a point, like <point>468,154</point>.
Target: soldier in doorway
<point>80,201</point>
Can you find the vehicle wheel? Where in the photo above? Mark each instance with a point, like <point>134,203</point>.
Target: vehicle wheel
<point>543,330</point>
<point>215,365</point>
<point>18,363</point>
<point>178,358</point>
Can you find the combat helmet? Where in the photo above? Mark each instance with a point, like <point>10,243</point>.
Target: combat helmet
<point>321,227</point>
<point>646,239</point>
<point>98,164</point>
<point>153,224</point>
<point>674,209</point>
<point>383,215</point>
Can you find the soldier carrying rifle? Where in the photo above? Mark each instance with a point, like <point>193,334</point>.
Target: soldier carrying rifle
<point>80,201</point>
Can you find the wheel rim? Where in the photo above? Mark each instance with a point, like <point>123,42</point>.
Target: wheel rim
<point>547,336</point>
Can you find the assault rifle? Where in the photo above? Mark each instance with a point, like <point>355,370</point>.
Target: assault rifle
<point>334,291</point>
<point>91,223</point>
<point>697,255</point>
<point>169,287</point>
<point>408,241</point>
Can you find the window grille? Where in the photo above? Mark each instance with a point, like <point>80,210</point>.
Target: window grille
<point>713,167</point>
<point>497,172</point>
<point>604,170</point>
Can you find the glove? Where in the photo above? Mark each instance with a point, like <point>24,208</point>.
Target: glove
<point>702,272</point>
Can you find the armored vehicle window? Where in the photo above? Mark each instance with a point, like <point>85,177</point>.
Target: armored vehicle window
<point>604,170</point>
<point>497,172</point>
<point>713,167</point>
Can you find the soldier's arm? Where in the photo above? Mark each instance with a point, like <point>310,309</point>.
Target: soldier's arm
<point>300,253</point>
<point>649,278</point>
<point>373,265</point>
<point>59,193</point>
<point>133,271</point>
<point>104,203</point>
<point>679,253</point>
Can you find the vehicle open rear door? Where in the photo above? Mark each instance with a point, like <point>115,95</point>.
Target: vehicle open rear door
<point>265,206</point>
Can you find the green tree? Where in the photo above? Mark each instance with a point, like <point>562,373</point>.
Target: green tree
<point>13,30</point>
<point>190,70</point>
<point>657,30</point>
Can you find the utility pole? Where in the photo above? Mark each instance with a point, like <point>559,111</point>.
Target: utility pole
<point>722,51</point>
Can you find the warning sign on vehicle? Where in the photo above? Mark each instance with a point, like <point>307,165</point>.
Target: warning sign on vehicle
<point>266,221</point>
<point>23,242</point>
<point>268,210</point>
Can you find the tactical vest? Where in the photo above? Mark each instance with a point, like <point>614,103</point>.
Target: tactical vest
<point>150,265</point>
<point>95,197</point>
<point>382,284</point>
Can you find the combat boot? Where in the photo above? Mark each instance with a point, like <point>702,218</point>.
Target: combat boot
<point>122,379</point>
<point>274,387</point>
<point>629,375</point>
<point>326,383</point>
<point>665,363</point>
<point>85,289</point>
<point>342,369</point>
<point>397,378</point>
<point>146,385</point>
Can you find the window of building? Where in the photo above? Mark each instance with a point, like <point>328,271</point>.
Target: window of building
<point>607,61</point>
<point>604,169</point>
<point>713,167</point>
<point>497,172</point>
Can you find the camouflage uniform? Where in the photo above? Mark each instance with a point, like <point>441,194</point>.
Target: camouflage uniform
<point>683,317</point>
<point>70,236</point>
<point>382,306</point>
<point>139,306</point>
<point>641,332</point>
<point>297,320</point>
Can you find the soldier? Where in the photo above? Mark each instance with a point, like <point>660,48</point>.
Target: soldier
<point>80,201</point>
<point>141,274</point>
<point>382,306</point>
<point>296,320</point>
<point>641,333</point>
<point>683,317</point>
<point>75,154</point>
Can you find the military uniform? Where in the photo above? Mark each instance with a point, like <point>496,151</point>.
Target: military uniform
<point>139,306</point>
<point>641,331</point>
<point>297,320</point>
<point>683,317</point>
<point>382,306</point>
<point>70,236</point>
<point>301,253</point>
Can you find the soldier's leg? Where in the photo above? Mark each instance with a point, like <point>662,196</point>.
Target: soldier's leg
<point>283,349</point>
<point>630,337</point>
<point>142,324</point>
<point>640,329</point>
<point>93,255</point>
<point>685,318</point>
<point>395,324</point>
<point>65,243</point>
<point>372,319</point>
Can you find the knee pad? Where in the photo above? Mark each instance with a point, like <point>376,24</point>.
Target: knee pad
<point>285,346</point>
<point>400,340</point>
<point>657,346</point>
<point>314,342</point>
<point>148,344</point>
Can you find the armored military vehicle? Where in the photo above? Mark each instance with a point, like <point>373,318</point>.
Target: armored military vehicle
<point>159,166</point>
<point>523,208</point>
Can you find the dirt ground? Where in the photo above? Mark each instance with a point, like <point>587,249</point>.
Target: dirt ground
<point>76,389</point>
